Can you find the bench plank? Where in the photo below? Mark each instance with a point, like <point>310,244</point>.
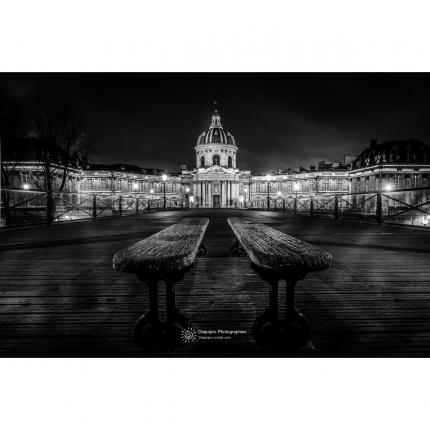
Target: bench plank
<point>271,249</point>
<point>170,250</point>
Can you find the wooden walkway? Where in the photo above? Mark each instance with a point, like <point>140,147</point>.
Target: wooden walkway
<point>61,297</point>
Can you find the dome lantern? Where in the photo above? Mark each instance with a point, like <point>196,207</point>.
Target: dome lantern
<point>216,132</point>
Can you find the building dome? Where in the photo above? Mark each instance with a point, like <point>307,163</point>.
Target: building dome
<point>216,133</point>
<point>409,151</point>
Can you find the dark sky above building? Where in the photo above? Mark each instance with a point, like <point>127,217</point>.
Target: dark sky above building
<point>278,120</point>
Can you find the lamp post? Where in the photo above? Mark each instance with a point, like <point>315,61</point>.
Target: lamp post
<point>135,188</point>
<point>164,177</point>
<point>187,190</point>
<point>151,192</point>
<point>268,177</point>
<point>296,187</point>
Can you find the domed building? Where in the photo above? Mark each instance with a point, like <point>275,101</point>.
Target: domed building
<point>216,177</point>
<point>216,146</point>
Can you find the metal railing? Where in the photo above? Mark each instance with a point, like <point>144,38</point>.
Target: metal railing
<point>406,206</point>
<point>29,207</point>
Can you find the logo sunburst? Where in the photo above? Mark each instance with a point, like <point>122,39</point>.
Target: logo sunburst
<point>188,335</point>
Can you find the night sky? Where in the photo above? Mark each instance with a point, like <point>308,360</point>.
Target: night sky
<point>278,120</point>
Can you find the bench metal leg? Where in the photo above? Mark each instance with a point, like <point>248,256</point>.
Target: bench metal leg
<point>290,299</point>
<point>273,299</point>
<point>293,332</point>
<point>170,299</point>
<point>202,251</point>
<point>145,330</point>
<point>297,329</point>
<point>153,298</point>
<point>237,250</point>
<point>149,331</point>
<point>176,323</point>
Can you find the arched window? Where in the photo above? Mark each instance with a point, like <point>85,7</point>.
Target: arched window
<point>216,160</point>
<point>230,162</point>
<point>202,161</point>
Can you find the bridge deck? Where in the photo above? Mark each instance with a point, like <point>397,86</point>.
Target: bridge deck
<point>61,297</point>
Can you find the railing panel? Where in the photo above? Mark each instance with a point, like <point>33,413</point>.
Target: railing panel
<point>360,207</point>
<point>19,207</point>
<point>411,207</point>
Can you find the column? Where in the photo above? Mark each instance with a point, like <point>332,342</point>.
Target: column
<point>203,193</point>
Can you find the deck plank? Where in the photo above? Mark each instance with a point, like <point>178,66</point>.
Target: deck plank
<point>61,297</point>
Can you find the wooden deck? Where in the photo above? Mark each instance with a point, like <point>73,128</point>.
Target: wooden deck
<point>61,297</point>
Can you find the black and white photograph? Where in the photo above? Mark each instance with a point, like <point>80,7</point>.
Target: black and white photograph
<point>214,215</point>
<point>289,217</point>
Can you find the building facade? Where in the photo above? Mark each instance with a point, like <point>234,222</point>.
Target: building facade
<point>216,180</point>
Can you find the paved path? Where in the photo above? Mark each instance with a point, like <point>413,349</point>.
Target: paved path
<point>61,297</point>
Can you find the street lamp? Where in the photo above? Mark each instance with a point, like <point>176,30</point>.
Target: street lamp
<point>151,192</point>
<point>296,187</point>
<point>135,186</point>
<point>268,178</point>
<point>187,198</point>
<point>164,178</point>
<point>26,186</point>
<point>388,187</point>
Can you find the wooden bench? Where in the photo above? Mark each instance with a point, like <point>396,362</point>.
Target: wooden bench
<point>277,256</point>
<point>164,256</point>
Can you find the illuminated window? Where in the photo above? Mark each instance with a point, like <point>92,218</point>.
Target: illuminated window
<point>215,160</point>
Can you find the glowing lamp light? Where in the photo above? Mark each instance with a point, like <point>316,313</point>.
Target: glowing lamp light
<point>279,193</point>
<point>135,186</point>
<point>187,190</point>
<point>151,191</point>
<point>26,186</point>
<point>245,189</point>
<point>296,187</point>
<point>388,187</point>
<point>191,199</point>
<point>241,199</point>
<point>164,177</point>
<point>426,220</point>
<point>268,178</point>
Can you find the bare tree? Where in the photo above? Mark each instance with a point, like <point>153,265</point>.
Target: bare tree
<point>75,136</point>
<point>13,124</point>
<point>65,133</point>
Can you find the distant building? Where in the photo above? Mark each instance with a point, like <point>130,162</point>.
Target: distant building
<point>217,181</point>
